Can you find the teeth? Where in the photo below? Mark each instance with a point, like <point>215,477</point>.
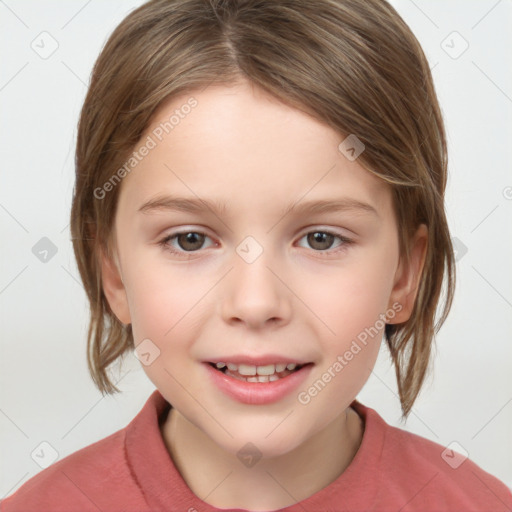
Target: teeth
<point>245,369</point>
<point>250,370</point>
<point>269,369</point>
<point>258,378</point>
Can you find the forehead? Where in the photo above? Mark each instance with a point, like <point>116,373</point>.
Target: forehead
<point>240,146</point>
<point>239,115</point>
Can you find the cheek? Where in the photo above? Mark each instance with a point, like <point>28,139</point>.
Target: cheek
<point>350,303</point>
<point>350,334</point>
<point>353,298</point>
<point>152,311</point>
<point>159,300</point>
<point>165,309</point>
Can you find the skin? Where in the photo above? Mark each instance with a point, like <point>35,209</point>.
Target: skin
<point>299,298</point>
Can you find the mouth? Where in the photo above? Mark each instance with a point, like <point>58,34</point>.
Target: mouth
<point>252,373</point>
<point>258,384</point>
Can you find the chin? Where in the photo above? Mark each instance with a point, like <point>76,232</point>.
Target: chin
<point>264,442</point>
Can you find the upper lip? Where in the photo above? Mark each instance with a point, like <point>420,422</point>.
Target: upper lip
<point>257,360</point>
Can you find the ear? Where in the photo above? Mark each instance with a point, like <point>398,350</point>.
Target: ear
<point>407,277</point>
<point>114,289</point>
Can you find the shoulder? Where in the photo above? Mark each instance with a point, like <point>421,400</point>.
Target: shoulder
<point>426,474</point>
<point>100,476</point>
<point>78,482</point>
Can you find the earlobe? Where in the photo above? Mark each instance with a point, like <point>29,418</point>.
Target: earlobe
<point>407,277</point>
<point>114,289</point>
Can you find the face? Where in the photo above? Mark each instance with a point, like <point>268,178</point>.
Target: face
<point>245,275</point>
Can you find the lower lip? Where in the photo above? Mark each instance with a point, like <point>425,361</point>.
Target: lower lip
<point>258,393</point>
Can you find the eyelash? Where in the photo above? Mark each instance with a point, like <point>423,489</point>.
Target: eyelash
<point>164,243</point>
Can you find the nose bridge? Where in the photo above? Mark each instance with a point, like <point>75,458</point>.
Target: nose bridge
<point>253,293</point>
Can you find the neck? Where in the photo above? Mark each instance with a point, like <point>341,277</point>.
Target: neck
<point>219,479</point>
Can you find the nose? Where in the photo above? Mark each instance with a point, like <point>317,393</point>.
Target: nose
<point>255,294</point>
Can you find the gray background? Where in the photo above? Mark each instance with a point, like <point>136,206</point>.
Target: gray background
<point>46,395</point>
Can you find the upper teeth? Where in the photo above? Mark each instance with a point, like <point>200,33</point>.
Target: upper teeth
<point>246,369</point>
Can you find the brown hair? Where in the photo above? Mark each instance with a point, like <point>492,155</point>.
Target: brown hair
<point>353,65</point>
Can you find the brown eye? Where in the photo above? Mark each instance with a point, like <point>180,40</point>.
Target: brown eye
<point>190,241</point>
<point>184,243</point>
<point>320,240</point>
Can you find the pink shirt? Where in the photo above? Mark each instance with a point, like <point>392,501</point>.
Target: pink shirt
<point>132,471</point>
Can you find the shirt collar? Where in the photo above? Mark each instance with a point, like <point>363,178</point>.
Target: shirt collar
<point>162,485</point>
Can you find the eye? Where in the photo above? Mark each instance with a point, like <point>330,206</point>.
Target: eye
<point>322,241</point>
<point>192,241</point>
<point>188,242</point>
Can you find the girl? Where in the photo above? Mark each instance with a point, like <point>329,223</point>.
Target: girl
<point>259,201</point>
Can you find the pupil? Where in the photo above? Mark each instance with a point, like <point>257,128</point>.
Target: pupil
<point>192,239</point>
<point>320,237</point>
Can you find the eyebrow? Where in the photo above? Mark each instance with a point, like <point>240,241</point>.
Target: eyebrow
<point>196,205</point>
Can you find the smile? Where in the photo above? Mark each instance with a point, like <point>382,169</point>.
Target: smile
<point>252,373</point>
<point>256,389</point>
